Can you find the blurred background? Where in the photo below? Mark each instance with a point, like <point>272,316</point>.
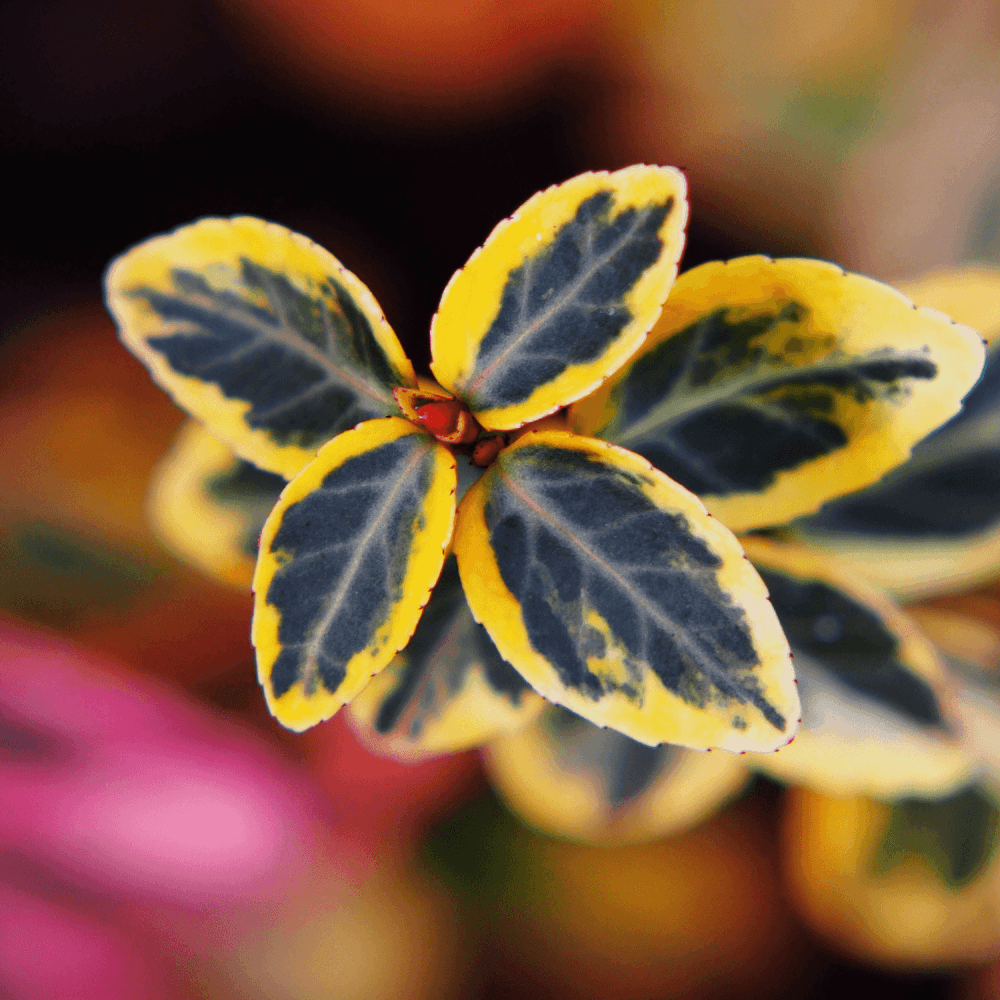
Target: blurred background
<point>397,134</point>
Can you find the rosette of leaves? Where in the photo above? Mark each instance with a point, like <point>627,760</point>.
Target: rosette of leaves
<point>587,572</point>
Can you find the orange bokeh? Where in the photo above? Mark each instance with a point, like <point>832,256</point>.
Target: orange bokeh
<point>421,59</point>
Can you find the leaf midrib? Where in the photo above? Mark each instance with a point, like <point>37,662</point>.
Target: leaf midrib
<point>679,406</point>
<point>336,599</point>
<point>719,677</point>
<point>337,369</point>
<point>558,303</point>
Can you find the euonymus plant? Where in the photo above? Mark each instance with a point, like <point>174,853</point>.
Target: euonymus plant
<point>584,401</point>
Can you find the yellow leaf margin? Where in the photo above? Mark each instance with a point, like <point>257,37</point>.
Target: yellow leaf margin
<point>897,763</point>
<point>865,316</point>
<point>472,298</point>
<point>663,717</point>
<point>295,709</point>
<point>212,248</point>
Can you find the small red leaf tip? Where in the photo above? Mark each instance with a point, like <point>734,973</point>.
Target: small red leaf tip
<point>440,418</point>
<point>486,451</point>
<point>449,421</point>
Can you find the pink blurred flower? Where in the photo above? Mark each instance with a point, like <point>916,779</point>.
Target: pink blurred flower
<point>130,817</point>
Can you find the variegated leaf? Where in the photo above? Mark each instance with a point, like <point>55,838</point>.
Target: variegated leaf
<point>769,387</point>
<point>448,690</point>
<point>561,294</point>
<point>933,524</point>
<point>572,779</point>
<point>347,561</point>
<point>209,507</point>
<point>613,592</point>
<point>914,882</point>
<point>260,334</point>
<point>878,709</point>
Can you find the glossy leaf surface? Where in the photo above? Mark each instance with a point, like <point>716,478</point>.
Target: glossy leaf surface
<point>609,588</point>
<point>933,524</point>
<point>260,334</point>
<point>448,690</point>
<point>209,507</point>
<point>561,294</point>
<point>877,705</point>
<point>769,387</point>
<point>572,779</point>
<point>347,561</point>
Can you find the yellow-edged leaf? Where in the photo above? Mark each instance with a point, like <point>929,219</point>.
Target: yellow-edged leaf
<point>571,779</point>
<point>209,507</point>
<point>448,690</point>
<point>259,333</point>
<point>932,525</point>
<point>878,708</point>
<point>347,561</point>
<point>769,387</point>
<point>915,882</point>
<point>614,593</point>
<point>561,294</point>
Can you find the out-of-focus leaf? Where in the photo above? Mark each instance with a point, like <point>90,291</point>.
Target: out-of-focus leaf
<point>933,524</point>
<point>954,837</point>
<point>878,709</point>
<point>970,641</point>
<point>769,387</point>
<point>915,882</point>
<point>448,690</point>
<point>967,634</point>
<point>613,592</point>
<point>259,333</point>
<point>347,561</point>
<point>55,576</point>
<point>561,294</point>
<point>572,779</point>
<point>209,507</point>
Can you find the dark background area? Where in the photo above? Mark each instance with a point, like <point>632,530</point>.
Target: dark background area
<point>122,120</point>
